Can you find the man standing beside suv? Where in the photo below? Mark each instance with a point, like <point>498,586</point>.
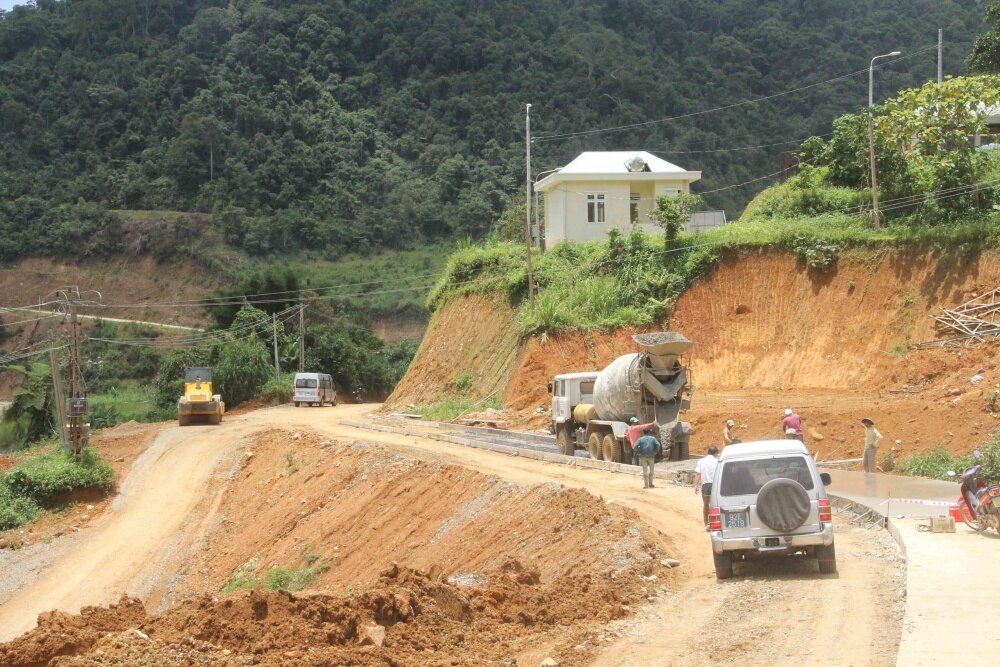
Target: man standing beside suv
<point>704,474</point>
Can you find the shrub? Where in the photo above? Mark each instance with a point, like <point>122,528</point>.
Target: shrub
<point>278,390</point>
<point>278,578</point>
<point>57,472</point>
<point>36,481</point>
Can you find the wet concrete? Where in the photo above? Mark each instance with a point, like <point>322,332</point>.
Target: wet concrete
<point>894,496</point>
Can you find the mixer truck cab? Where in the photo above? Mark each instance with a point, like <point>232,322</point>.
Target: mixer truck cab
<point>591,410</point>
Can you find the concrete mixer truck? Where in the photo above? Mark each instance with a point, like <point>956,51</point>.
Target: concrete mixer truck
<point>591,410</point>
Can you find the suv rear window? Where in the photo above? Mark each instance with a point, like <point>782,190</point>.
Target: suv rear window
<point>305,383</point>
<point>743,478</point>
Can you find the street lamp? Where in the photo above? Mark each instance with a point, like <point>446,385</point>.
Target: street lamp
<point>871,133</point>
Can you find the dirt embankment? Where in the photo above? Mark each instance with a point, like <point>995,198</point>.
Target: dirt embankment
<point>487,568</point>
<point>765,321</point>
<point>769,333</point>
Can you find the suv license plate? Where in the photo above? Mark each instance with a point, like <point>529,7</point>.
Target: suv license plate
<point>736,519</point>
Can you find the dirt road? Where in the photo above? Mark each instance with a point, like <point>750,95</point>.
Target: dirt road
<point>775,612</point>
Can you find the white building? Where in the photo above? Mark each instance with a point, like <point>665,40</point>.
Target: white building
<point>600,190</point>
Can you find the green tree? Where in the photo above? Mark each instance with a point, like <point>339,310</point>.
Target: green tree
<point>673,213</point>
<point>985,56</point>
<point>242,369</point>
<point>33,404</point>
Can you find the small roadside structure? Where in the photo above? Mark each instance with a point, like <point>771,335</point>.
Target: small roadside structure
<point>603,189</point>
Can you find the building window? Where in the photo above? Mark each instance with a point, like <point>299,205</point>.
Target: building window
<point>633,208</point>
<point>595,207</point>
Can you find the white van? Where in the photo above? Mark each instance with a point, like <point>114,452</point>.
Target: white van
<point>314,389</point>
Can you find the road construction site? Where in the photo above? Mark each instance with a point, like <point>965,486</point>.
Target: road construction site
<point>423,543</point>
<point>437,552</point>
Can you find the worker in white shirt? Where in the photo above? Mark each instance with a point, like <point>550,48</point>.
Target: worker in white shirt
<point>872,438</point>
<point>704,474</point>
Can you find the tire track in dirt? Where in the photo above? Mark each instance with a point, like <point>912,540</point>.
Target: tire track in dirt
<point>116,553</point>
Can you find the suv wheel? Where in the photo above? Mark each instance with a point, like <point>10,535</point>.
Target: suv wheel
<point>827,558</point>
<point>723,565</point>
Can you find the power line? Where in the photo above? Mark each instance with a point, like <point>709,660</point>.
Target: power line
<point>725,107</point>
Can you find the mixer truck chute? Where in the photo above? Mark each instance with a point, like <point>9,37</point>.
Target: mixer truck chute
<point>591,410</point>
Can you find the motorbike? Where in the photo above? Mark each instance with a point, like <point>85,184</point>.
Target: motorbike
<point>979,504</point>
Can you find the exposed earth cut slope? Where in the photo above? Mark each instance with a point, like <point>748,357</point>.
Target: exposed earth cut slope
<point>769,332</point>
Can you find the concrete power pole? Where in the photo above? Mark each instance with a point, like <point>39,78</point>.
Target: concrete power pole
<point>274,326</point>
<point>79,430</point>
<point>527,200</point>
<point>940,55</point>
<point>302,338</point>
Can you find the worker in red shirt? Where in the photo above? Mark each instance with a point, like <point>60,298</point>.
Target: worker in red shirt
<point>792,425</point>
<point>635,430</point>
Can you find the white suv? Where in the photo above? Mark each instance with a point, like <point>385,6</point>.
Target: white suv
<point>768,499</point>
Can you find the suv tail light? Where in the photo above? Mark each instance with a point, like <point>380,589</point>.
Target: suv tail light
<point>825,514</point>
<point>714,518</point>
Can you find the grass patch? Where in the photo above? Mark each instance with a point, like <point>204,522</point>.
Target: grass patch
<point>124,403</point>
<point>40,478</point>
<point>453,408</point>
<point>631,280</point>
<point>277,578</point>
<point>936,463</point>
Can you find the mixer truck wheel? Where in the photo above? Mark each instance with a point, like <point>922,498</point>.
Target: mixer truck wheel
<point>611,450</point>
<point>565,439</point>
<point>594,447</point>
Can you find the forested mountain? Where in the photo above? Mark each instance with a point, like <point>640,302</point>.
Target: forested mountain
<point>358,124</point>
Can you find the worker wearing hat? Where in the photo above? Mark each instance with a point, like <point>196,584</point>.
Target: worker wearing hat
<point>872,438</point>
<point>792,425</point>
<point>635,431</point>
<point>728,436</point>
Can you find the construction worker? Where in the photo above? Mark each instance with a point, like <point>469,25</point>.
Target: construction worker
<point>635,431</point>
<point>644,453</point>
<point>792,425</point>
<point>872,438</point>
<point>704,474</point>
<point>728,436</point>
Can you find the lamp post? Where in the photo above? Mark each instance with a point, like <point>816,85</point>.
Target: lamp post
<point>871,134</point>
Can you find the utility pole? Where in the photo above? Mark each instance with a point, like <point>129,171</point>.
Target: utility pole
<point>60,398</point>
<point>79,431</point>
<point>871,134</point>
<point>302,338</point>
<point>274,325</point>
<point>940,55</point>
<point>527,200</point>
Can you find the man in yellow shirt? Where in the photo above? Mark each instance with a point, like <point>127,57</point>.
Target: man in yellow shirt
<point>872,438</point>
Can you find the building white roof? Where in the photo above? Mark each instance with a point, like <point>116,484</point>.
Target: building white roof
<point>613,162</point>
<point>611,165</point>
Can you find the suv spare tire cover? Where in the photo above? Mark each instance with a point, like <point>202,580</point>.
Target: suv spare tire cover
<point>782,504</point>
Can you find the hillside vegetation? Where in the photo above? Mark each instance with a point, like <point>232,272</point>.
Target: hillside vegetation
<point>356,125</point>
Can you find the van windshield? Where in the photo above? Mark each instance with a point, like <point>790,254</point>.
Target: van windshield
<point>305,383</point>
<point>742,478</point>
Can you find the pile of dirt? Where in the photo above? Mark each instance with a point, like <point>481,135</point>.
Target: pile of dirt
<point>406,617</point>
<point>486,568</point>
<point>295,498</point>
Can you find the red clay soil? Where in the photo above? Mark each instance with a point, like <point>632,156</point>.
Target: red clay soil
<point>487,569</point>
<point>765,321</point>
<point>472,336</point>
<point>296,498</point>
<point>406,617</point>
